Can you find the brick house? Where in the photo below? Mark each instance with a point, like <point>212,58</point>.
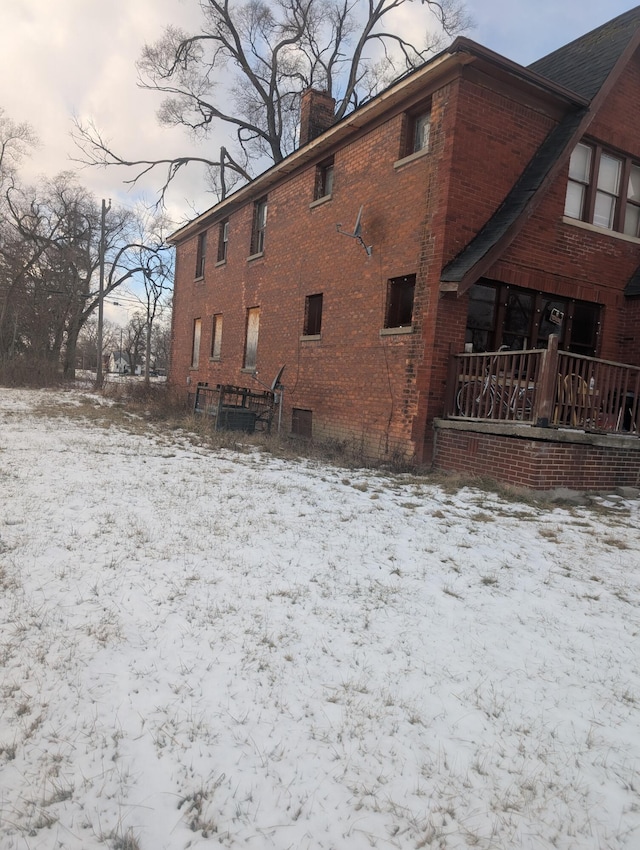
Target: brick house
<point>495,205</point>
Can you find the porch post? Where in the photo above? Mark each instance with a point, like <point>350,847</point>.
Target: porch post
<point>545,392</point>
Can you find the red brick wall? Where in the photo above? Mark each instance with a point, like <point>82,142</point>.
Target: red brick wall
<point>386,389</point>
<point>538,464</point>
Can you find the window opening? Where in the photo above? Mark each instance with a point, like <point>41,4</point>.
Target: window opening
<point>312,315</point>
<point>259,226</point>
<point>251,338</point>
<point>195,347</point>
<point>400,294</point>
<point>216,337</point>
<point>324,180</point>
<point>223,239</point>
<point>201,253</point>
<point>302,422</point>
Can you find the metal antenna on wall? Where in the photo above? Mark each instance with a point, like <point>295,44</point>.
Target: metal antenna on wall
<point>357,233</point>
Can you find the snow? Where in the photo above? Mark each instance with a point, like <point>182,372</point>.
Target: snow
<point>212,648</point>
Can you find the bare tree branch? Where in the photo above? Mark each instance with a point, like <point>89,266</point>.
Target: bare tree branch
<point>246,68</point>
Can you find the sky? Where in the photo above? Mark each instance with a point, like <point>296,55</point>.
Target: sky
<point>214,647</point>
<point>77,57</point>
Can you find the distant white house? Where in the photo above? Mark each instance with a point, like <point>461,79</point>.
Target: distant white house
<point>119,362</point>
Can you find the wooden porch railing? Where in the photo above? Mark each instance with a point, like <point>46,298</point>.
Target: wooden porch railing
<point>545,387</point>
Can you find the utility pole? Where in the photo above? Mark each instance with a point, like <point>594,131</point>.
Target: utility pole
<point>105,209</point>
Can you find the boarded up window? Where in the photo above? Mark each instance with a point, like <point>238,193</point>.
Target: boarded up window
<point>302,422</point>
<point>251,341</point>
<point>195,348</point>
<point>216,337</point>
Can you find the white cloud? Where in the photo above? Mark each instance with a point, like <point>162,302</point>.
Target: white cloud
<point>78,57</point>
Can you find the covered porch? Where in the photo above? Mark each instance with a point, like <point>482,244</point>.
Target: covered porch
<point>546,387</point>
<point>541,418</point>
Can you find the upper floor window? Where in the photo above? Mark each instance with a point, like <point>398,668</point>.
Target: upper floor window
<point>312,315</point>
<point>603,189</point>
<point>324,179</point>
<point>201,253</point>
<point>399,310</point>
<point>259,226</point>
<point>421,129</point>
<point>223,240</point>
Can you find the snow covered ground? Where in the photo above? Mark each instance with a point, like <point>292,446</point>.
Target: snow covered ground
<point>221,649</point>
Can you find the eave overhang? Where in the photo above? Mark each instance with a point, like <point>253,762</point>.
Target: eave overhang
<point>417,83</point>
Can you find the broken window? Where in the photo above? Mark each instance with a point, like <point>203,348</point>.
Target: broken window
<point>399,309</point>
<point>312,315</point>
<point>201,253</point>
<point>324,179</point>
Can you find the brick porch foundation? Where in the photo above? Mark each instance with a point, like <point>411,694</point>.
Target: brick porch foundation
<point>538,458</point>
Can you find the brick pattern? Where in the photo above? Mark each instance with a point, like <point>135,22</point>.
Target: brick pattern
<point>384,390</point>
<point>536,464</point>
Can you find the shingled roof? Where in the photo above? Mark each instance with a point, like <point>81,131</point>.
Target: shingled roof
<point>582,66</point>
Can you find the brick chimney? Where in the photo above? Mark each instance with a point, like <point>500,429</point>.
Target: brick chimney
<point>317,110</point>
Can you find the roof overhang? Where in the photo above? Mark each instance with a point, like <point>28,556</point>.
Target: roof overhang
<point>411,87</point>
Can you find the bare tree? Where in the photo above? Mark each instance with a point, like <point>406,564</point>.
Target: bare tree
<point>54,258</point>
<point>247,67</point>
<point>16,141</point>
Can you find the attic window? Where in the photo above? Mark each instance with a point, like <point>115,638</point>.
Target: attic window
<point>324,180</point>
<point>603,189</point>
<point>420,132</point>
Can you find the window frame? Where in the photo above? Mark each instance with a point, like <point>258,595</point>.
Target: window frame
<point>593,190</point>
<point>259,226</point>
<point>251,337</point>
<point>216,337</point>
<point>223,240</point>
<point>492,325</point>
<point>397,308</point>
<point>201,255</point>
<point>312,325</point>
<point>195,343</point>
<point>325,175</point>
<point>420,144</point>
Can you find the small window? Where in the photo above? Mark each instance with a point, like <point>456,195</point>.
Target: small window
<point>312,315</point>
<point>201,254</point>
<point>195,347</point>
<point>223,239</point>
<point>302,422</point>
<point>324,180</point>
<point>400,291</point>
<point>216,336</point>
<point>259,226</point>
<point>251,338</point>
<point>419,132</point>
